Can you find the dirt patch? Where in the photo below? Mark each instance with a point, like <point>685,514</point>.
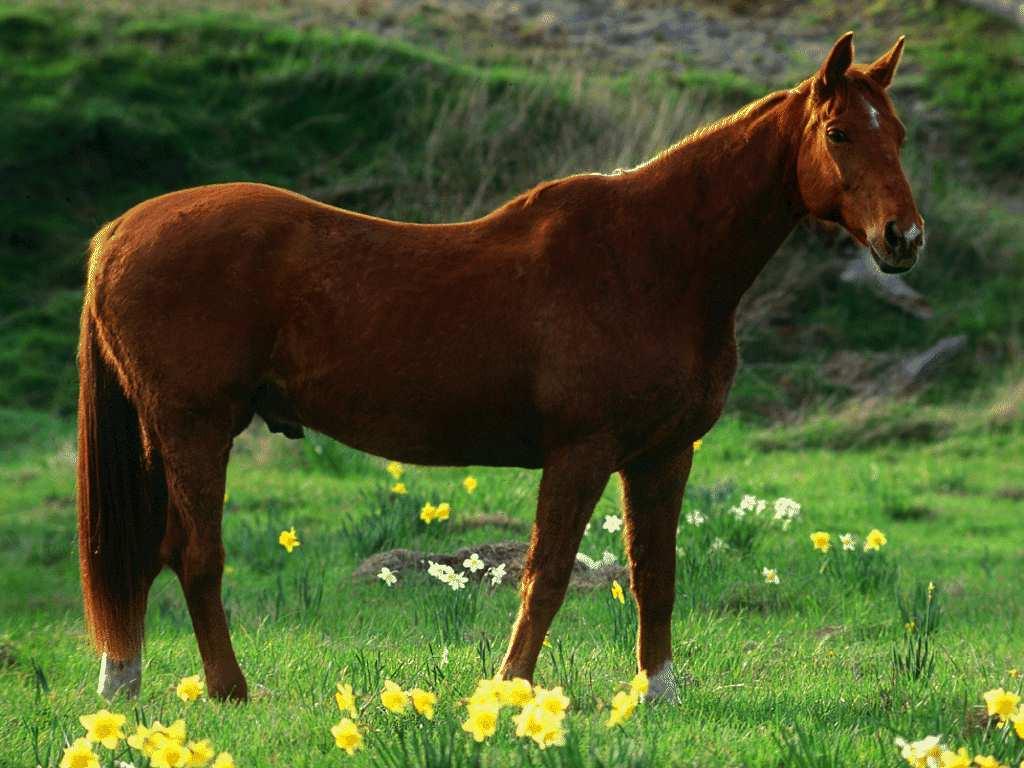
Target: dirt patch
<point>510,553</point>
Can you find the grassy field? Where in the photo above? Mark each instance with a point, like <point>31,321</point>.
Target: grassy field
<point>818,670</point>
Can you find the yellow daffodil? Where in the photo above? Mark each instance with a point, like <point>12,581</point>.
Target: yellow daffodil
<point>482,720</point>
<point>535,722</point>
<point>399,489</point>
<point>224,760</point>
<point>103,727</point>
<point>617,592</point>
<point>1017,718</point>
<point>148,740</point>
<point>1014,673</point>
<point>623,704</point>
<point>289,540</point>
<point>639,685</point>
<point>200,753</point>
<point>488,691</point>
<point>821,540</point>
<point>697,444</point>
<point>552,701</point>
<point>170,754</point>
<point>347,736</point>
<point>190,688</point>
<point>444,511</point>
<point>80,755</point>
<point>959,759</point>
<point>469,484</point>
<point>346,699</point>
<point>394,698</point>
<point>987,761</point>
<point>1001,703</point>
<point>423,702</point>
<point>395,469</point>
<point>429,513</point>
<point>515,692</point>
<point>875,540</point>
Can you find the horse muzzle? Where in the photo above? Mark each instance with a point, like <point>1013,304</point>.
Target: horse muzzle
<point>896,252</point>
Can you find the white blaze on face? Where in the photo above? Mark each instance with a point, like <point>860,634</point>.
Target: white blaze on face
<point>872,114</point>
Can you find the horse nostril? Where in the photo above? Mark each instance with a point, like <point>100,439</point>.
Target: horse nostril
<point>893,238</point>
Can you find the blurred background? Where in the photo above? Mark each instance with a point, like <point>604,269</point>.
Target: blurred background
<point>433,111</point>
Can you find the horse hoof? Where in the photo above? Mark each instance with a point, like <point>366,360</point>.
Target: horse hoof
<point>120,677</point>
<point>662,686</point>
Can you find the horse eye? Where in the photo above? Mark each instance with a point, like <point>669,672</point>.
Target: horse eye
<point>836,135</point>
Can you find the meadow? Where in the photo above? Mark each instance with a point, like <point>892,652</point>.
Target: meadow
<point>823,660</point>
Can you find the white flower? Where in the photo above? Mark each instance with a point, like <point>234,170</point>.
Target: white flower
<point>718,544</point>
<point>738,512</point>
<point>607,558</point>
<point>849,541</point>
<point>457,581</point>
<point>786,509</point>
<point>761,504</point>
<point>771,576</point>
<point>927,751</point>
<point>473,563</point>
<point>587,560</point>
<point>695,517</point>
<point>586,529</point>
<point>748,502</point>
<point>439,571</point>
<point>444,657</point>
<point>388,576</point>
<point>497,573</point>
<point>612,523</point>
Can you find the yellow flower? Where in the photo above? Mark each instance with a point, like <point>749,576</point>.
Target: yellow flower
<point>697,444</point>
<point>639,685</point>
<point>515,692</point>
<point>552,701</point>
<point>200,753</point>
<point>289,540</point>
<point>1014,673</point>
<point>224,760</point>
<point>148,740</point>
<point>1017,718</point>
<point>469,484</point>
<point>488,691</point>
<point>821,540</point>
<point>539,724</point>
<point>170,754</point>
<point>394,698</point>
<point>623,705</point>
<point>190,688</point>
<point>399,489</point>
<point>987,761</point>
<point>103,726</point>
<point>347,736</point>
<point>395,469</point>
<point>921,754</point>
<point>80,755</point>
<point>875,540</point>
<point>959,759</point>
<point>617,592</point>
<point>429,513</point>
<point>444,511</point>
<point>1000,702</point>
<point>482,719</point>
<point>423,702</point>
<point>346,699</point>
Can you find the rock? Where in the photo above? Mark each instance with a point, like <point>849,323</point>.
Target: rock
<point>890,288</point>
<point>911,372</point>
<point>511,553</point>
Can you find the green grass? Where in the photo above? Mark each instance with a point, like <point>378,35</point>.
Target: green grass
<point>103,110</point>
<point>772,675</point>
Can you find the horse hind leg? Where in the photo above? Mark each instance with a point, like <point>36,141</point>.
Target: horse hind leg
<point>195,456</point>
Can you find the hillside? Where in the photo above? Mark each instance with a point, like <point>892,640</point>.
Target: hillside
<point>107,108</point>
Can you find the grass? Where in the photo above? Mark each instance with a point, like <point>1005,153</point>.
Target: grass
<point>104,109</point>
<point>818,670</point>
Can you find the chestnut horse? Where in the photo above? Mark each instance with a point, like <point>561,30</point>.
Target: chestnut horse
<point>585,327</point>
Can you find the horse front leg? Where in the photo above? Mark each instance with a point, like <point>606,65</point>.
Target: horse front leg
<point>570,486</point>
<point>652,494</point>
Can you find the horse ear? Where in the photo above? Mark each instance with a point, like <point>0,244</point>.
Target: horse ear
<point>882,71</point>
<point>835,65</point>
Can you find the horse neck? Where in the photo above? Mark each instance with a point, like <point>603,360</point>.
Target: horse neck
<point>722,202</point>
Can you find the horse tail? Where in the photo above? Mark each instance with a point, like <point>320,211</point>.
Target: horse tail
<point>121,491</point>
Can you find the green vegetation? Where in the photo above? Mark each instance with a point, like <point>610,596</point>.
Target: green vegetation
<point>821,662</point>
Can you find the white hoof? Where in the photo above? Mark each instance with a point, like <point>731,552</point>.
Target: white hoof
<point>123,677</point>
<point>662,685</point>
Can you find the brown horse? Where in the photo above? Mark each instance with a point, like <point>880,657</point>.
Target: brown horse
<point>586,327</point>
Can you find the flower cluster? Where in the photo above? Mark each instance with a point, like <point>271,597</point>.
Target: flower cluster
<point>430,513</point>
<point>457,579</point>
<point>873,542</point>
<point>624,702</point>
<point>930,752</point>
<point>541,713</point>
<point>164,746</point>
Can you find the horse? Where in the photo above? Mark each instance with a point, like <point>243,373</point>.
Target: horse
<point>585,328</point>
